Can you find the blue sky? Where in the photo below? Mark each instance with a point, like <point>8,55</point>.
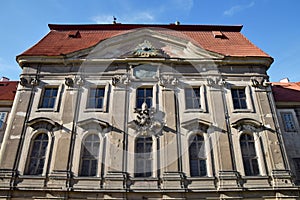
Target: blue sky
<point>272,25</point>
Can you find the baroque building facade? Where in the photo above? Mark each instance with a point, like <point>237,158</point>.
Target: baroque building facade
<point>129,111</point>
<point>7,93</point>
<point>287,102</point>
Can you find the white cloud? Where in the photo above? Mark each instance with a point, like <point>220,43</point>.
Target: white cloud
<point>238,8</point>
<point>184,4</point>
<point>103,19</point>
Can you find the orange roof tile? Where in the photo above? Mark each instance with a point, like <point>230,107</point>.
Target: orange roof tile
<point>286,92</point>
<point>8,90</point>
<point>64,39</point>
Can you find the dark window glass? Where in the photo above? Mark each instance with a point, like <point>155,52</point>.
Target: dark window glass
<point>196,156</point>
<point>96,98</point>
<point>192,98</point>
<point>288,120</point>
<point>143,157</point>
<point>37,156</point>
<point>249,155</point>
<point>89,156</point>
<point>296,162</point>
<point>144,95</point>
<point>239,98</point>
<point>2,119</point>
<point>49,98</point>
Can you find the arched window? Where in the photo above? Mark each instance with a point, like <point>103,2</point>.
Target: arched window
<point>249,155</point>
<point>36,160</point>
<point>89,156</point>
<point>197,156</point>
<point>143,157</point>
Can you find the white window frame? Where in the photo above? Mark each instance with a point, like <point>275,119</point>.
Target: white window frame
<point>282,122</point>
<point>3,118</point>
<point>248,99</point>
<point>154,94</point>
<point>27,151</point>
<point>203,106</point>
<point>57,100</point>
<point>105,99</point>
<point>259,154</point>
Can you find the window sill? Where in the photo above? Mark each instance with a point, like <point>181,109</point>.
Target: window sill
<point>87,178</point>
<point>94,110</point>
<point>46,110</point>
<point>32,176</point>
<point>199,178</point>
<point>242,111</point>
<point>194,110</point>
<point>254,177</point>
<point>144,179</point>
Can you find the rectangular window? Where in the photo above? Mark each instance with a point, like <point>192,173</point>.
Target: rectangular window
<point>2,119</point>
<point>49,97</point>
<point>143,157</point>
<point>144,95</point>
<point>288,122</point>
<point>96,97</point>
<point>192,98</point>
<point>239,98</point>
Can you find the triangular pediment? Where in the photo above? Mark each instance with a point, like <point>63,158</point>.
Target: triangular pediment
<point>148,43</point>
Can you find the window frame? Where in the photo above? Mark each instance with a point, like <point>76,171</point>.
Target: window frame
<point>204,146</point>
<point>292,121</point>
<point>3,121</point>
<point>250,158</point>
<point>57,99</point>
<point>105,103</point>
<point>249,100</point>
<point>149,159</point>
<point>97,159</point>
<point>144,97</point>
<point>30,150</point>
<point>202,99</point>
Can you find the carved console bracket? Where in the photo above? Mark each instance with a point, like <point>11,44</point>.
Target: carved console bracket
<point>28,81</point>
<point>168,81</point>
<point>259,82</point>
<point>215,81</point>
<point>74,81</point>
<point>119,80</point>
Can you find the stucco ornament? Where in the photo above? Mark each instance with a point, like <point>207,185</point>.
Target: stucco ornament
<point>146,49</point>
<point>147,122</point>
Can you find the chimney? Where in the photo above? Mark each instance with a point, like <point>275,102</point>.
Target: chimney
<point>4,79</point>
<point>285,80</point>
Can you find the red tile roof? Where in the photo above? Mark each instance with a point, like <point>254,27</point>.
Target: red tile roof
<point>8,90</point>
<point>286,92</point>
<point>65,39</point>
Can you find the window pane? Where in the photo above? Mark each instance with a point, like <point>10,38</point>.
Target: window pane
<point>2,118</point>
<point>90,153</point>
<point>288,122</point>
<point>49,97</point>
<point>194,168</point>
<point>148,92</point>
<point>197,158</point>
<point>192,98</point>
<point>202,167</point>
<point>144,95</point>
<point>250,161</point>
<point>36,159</point>
<point>239,98</point>
<point>96,97</point>
<point>143,157</point>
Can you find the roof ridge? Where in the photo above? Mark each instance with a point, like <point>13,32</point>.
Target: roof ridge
<point>68,27</point>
